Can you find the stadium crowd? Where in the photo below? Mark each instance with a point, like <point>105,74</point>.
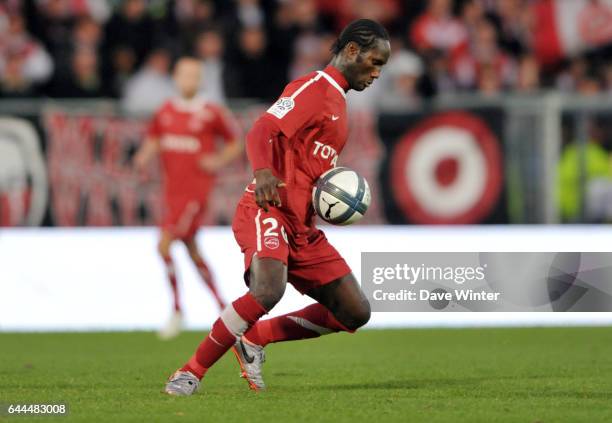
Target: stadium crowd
<point>251,48</point>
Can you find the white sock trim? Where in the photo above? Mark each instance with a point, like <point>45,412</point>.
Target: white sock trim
<point>233,322</point>
<point>310,326</point>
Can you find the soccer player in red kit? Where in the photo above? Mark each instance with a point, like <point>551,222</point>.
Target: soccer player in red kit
<point>183,132</point>
<point>289,147</point>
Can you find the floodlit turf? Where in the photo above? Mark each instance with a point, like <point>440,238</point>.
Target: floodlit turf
<point>471,375</point>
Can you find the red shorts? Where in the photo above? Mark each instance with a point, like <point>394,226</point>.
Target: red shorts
<point>183,216</point>
<point>311,260</point>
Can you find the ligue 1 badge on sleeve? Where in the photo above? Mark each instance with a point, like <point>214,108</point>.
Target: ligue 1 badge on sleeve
<point>282,106</point>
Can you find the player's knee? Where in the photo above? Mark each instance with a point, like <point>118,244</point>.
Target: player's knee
<point>267,291</point>
<point>270,296</point>
<point>163,248</point>
<point>195,256</point>
<point>358,317</point>
<point>268,279</point>
<point>192,249</point>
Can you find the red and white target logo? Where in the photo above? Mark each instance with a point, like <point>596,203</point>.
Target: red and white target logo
<point>447,170</point>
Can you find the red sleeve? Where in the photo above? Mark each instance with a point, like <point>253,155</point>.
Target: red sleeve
<point>154,130</point>
<point>299,106</point>
<point>259,143</point>
<point>225,125</point>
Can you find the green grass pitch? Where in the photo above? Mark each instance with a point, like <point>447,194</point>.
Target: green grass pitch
<point>429,375</point>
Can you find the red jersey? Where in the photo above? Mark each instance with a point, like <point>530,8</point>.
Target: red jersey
<point>186,130</point>
<point>312,120</point>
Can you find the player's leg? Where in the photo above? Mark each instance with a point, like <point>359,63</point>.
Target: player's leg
<point>203,270</point>
<point>341,306</point>
<point>173,327</point>
<point>268,279</point>
<point>163,248</point>
<point>319,271</point>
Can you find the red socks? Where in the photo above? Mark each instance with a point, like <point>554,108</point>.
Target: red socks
<point>234,321</point>
<point>209,281</point>
<point>310,322</point>
<point>170,272</point>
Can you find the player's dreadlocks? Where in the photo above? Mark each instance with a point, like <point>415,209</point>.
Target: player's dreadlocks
<point>364,32</point>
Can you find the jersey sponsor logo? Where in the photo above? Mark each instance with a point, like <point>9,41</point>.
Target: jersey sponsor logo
<point>180,143</point>
<point>334,117</point>
<point>282,106</point>
<point>325,152</point>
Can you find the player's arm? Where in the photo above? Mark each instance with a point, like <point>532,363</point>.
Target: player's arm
<point>227,128</point>
<point>260,140</point>
<point>150,148</point>
<point>228,153</point>
<point>147,151</point>
<point>286,117</point>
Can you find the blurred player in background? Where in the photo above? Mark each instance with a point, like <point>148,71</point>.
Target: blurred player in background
<point>289,147</point>
<point>183,133</point>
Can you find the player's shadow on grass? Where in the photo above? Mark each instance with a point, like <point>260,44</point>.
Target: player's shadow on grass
<point>525,391</point>
<point>397,384</point>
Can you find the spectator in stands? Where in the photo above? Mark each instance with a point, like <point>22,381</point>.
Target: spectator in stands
<point>483,52</point>
<point>576,70</point>
<point>400,89</point>
<point>82,80</point>
<point>209,49</point>
<point>438,28</point>
<point>438,79</point>
<point>307,55</point>
<point>119,70</point>
<point>131,26</point>
<point>528,78</point>
<point>585,177</point>
<point>489,82</point>
<point>147,90</point>
<point>345,11</point>
<point>589,85</point>
<point>264,42</point>
<point>52,21</point>
<point>513,19</point>
<point>192,16</point>
<point>472,12</point>
<point>251,73</point>
<point>250,14</point>
<point>24,63</point>
<point>296,38</point>
<point>607,78</point>
<point>86,34</point>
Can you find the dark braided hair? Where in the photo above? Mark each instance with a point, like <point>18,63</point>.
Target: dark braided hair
<point>364,32</point>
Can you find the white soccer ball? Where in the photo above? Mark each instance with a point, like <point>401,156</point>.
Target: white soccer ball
<point>341,196</point>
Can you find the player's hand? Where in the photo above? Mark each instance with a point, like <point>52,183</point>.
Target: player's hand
<point>140,162</point>
<point>210,163</point>
<point>266,192</point>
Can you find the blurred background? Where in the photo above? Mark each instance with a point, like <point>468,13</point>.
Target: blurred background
<point>490,113</point>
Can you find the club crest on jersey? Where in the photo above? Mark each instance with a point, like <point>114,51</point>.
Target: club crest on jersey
<point>271,242</point>
<point>282,106</point>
